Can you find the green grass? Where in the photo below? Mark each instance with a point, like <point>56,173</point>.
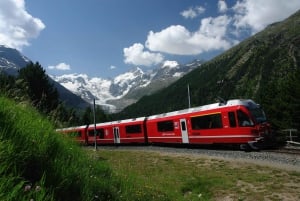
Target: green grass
<point>38,163</point>
<point>155,176</point>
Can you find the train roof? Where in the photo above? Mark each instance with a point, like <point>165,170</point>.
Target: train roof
<point>71,128</point>
<point>234,102</point>
<point>118,122</point>
<point>130,120</point>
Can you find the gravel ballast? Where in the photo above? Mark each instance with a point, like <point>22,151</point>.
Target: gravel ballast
<point>284,161</point>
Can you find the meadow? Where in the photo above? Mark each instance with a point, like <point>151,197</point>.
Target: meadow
<point>156,175</point>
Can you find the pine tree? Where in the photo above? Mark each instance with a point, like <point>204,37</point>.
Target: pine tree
<point>42,93</point>
<point>87,116</point>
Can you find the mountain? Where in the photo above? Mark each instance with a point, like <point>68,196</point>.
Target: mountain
<point>11,60</point>
<point>125,88</point>
<point>264,67</point>
<point>160,78</point>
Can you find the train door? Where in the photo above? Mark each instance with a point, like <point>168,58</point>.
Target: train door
<point>184,133</point>
<point>116,135</point>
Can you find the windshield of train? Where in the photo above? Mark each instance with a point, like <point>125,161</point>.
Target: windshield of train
<point>258,113</point>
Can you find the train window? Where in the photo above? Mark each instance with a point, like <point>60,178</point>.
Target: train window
<point>165,126</point>
<point>91,132</point>
<point>183,127</point>
<point>232,120</point>
<point>207,122</point>
<point>131,129</point>
<point>100,132</point>
<point>244,119</point>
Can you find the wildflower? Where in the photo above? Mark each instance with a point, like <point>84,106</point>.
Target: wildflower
<point>27,188</point>
<point>38,188</point>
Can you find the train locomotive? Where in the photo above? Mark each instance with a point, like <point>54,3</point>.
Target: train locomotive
<point>234,122</point>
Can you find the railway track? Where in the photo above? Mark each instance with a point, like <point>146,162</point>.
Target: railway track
<point>288,159</point>
<point>291,151</point>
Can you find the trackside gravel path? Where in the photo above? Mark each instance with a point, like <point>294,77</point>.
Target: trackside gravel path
<point>283,161</point>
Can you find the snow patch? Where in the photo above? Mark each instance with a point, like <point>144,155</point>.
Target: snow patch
<point>170,64</point>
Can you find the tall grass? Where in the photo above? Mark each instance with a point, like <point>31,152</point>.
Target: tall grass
<point>39,164</point>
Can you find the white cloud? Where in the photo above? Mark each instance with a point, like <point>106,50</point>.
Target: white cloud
<point>214,27</point>
<point>60,66</point>
<point>136,55</point>
<point>214,33</point>
<point>222,6</point>
<point>112,67</point>
<point>17,26</point>
<point>257,14</point>
<point>178,40</point>
<point>192,12</point>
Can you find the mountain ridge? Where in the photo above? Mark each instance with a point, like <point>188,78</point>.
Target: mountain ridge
<point>11,61</point>
<point>126,88</point>
<point>79,91</point>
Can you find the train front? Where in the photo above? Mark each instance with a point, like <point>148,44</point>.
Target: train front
<point>261,129</point>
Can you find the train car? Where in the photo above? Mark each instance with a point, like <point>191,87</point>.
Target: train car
<point>104,133</point>
<point>79,133</point>
<point>130,131</point>
<point>116,132</point>
<point>167,128</point>
<point>234,122</point>
<point>240,122</point>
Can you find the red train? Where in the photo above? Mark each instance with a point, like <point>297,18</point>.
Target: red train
<point>234,122</point>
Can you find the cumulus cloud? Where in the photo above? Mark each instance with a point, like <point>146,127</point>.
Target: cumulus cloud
<point>193,12</point>
<point>178,40</point>
<point>17,26</point>
<point>222,6</point>
<point>215,32</point>
<point>257,14</point>
<point>136,55</point>
<point>60,66</point>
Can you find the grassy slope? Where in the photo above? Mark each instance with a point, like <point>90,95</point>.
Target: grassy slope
<point>180,177</point>
<point>38,163</point>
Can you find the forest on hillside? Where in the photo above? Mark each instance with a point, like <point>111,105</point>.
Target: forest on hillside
<point>265,68</point>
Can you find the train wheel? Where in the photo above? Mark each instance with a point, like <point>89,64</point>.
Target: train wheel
<point>245,147</point>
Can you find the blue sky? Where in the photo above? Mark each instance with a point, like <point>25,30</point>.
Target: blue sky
<point>104,38</point>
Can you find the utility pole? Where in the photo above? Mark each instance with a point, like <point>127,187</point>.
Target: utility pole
<point>189,98</point>
<point>95,132</point>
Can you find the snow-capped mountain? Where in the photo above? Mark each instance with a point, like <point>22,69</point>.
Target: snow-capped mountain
<point>123,83</point>
<point>11,60</point>
<point>115,93</point>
